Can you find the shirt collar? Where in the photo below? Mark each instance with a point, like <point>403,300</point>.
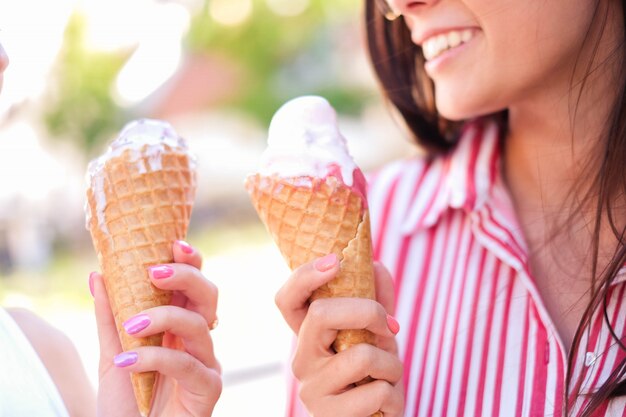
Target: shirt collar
<point>462,179</point>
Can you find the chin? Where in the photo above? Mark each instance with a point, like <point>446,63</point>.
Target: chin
<point>459,107</point>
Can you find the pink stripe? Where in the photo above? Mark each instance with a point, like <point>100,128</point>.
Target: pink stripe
<point>469,347</point>
<point>592,342</point>
<point>503,342</point>
<point>456,321</point>
<point>495,157</point>
<point>480,393</point>
<point>428,165</point>
<point>293,397</point>
<point>382,230</point>
<point>398,275</point>
<point>471,168</point>
<point>538,394</point>
<point>406,241</point>
<point>432,200</point>
<point>432,312</point>
<point>559,396</point>
<point>517,251</point>
<point>522,367</point>
<point>598,323</point>
<point>417,306</point>
<point>448,302</point>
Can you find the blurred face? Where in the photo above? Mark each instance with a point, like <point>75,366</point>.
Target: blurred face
<point>487,55</point>
<point>4,62</point>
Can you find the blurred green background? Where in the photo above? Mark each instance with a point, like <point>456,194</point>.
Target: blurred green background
<point>217,70</point>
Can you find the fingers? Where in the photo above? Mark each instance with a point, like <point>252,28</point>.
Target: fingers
<point>190,373</point>
<point>189,281</point>
<point>188,325</point>
<point>353,365</point>
<point>184,253</point>
<point>361,401</point>
<point>292,298</point>
<point>367,399</point>
<point>107,331</point>
<point>385,291</point>
<point>328,315</point>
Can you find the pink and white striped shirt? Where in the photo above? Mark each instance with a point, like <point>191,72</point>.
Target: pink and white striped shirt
<point>476,338</point>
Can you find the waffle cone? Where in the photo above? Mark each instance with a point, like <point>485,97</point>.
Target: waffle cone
<point>309,218</point>
<point>136,214</point>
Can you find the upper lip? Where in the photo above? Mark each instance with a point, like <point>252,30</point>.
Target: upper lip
<point>420,37</point>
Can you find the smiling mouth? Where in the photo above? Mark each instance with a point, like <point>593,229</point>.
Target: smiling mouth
<point>437,45</point>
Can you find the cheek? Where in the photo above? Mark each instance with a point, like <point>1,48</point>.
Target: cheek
<point>524,50</point>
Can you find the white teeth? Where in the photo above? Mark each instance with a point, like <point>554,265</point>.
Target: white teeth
<point>436,45</point>
<point>454,39</point>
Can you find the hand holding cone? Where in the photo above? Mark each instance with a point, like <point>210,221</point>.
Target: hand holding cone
<point>139,202</point>
<point>311,197</point>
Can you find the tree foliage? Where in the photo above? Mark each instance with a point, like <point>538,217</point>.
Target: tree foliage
<point>79,105</point>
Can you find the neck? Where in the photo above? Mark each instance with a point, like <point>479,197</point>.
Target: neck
<point>556,137</point>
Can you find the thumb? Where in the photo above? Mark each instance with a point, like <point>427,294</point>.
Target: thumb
<point>107,331</point>
<point>385,291</point>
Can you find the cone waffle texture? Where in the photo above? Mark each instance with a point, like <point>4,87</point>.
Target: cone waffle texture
<point>309,218</point>
<point>136,211</point>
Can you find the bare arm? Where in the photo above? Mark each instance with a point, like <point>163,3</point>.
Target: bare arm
<point>61,359</point>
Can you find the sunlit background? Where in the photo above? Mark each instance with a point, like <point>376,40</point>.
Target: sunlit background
<point>217,70</point>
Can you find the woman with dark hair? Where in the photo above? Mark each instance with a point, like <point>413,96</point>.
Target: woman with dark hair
<point>506,239</point>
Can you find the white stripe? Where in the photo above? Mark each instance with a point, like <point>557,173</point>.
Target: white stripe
<point>482,172</point>
<point>479,335</point>
<point>410,282</point>
<point>463,331</point>
<point>512,354</point>
<point>378,194</point>
<point>448,324</point>
<point>458,178</point>
<point>532,363</point>
<point>552,377</point>
<point>428,189</point>
<point>497,327</point>
<point>425,322</point>
<point>443,280</point>
<point>400,200</point>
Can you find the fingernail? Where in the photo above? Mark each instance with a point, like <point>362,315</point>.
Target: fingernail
<point>125,359</point>
<point>393,324</point>
<point>326,263</point>
<point>91,278</point>
<point>185,247</point>
<point>161,271</point>
<point>136,324</point>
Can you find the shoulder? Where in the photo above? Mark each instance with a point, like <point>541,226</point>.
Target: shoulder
<point>59,356</point>
<point>44,337</point>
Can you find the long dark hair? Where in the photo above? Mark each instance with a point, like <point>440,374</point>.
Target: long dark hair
<point>398,64</point>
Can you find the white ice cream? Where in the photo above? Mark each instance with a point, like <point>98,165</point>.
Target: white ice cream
<point>304,140</point>
<point>146,139</point>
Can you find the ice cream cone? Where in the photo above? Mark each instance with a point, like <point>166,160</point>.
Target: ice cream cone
<point>311,196</point>
<point>139,202</point>
<point>309,218</point>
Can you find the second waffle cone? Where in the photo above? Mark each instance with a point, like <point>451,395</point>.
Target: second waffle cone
<point>309,218</point>
<point>133,224</point>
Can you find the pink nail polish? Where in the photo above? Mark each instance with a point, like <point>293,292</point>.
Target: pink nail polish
<point>91,290</point>
<point>125,359</point>
<point>185,247</point>
<point>393,324</point>
<point>136,324</point>
<point>326,263</point>
<point>161,271</point>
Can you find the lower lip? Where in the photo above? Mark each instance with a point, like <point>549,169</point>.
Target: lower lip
<point>436,64</point>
